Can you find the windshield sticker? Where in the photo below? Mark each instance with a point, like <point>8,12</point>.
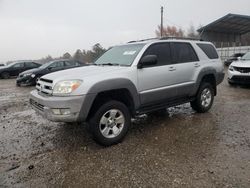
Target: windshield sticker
<point>129,53</point>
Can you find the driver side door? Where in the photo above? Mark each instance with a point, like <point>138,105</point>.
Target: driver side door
<point>156,82</point>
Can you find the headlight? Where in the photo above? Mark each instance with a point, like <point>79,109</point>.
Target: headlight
<point>231,68</point>
<point>66,87</point>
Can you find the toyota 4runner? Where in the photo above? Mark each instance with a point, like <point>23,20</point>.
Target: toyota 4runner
<point>129,80</point>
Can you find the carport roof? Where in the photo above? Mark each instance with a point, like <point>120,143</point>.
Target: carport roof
<point>231,23</point>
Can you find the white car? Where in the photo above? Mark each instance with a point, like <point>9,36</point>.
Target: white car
<point>239,71</point>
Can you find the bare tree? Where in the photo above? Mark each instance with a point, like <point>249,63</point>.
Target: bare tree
<point>169,31</point>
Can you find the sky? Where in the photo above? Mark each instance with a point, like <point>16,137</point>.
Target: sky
<point>32,29</point>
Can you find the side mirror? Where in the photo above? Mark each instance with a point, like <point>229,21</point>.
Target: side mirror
<point>239,58</point>
<point>147,61</point>
<point>50,68</point>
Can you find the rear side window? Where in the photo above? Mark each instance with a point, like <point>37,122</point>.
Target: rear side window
<point>209,50</point>
<point>183,53</point>
<point>162,51</point>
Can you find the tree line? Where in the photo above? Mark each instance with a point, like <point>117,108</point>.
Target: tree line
<point>173,31</point>
<point>84,56</point>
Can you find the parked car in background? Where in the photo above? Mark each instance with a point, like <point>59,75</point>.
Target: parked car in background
<point>1,64</point>
<point>233,58</point>
<point>239,71</point>
<point>16,68</point>
<point>30,77</point>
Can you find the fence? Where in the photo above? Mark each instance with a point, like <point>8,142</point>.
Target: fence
<point>226,52</point>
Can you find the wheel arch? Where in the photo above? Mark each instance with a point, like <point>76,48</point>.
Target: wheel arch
<point>122,90</point>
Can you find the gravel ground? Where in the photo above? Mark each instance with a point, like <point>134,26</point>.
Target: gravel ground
<point>179,149</point>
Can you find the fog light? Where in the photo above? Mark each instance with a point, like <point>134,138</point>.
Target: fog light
<point>65,111</point>
<point>56,111</point>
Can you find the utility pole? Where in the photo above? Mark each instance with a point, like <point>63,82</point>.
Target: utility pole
<point>161,21</point>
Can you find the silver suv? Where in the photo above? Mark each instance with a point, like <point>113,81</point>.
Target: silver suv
<point>129,80</point>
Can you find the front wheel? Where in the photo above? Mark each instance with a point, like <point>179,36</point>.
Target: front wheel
<point>110,123</point>
<point>204,98</point>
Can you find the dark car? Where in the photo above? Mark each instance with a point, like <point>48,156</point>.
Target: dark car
<point>1,64</point>
<point>233,58</point>
<point>30,77</point>
<point>14,69</point>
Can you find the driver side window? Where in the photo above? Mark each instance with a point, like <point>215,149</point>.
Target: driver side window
<point>162,51</point>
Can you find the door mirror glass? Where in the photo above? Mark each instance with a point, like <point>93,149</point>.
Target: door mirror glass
<point>147,60</point>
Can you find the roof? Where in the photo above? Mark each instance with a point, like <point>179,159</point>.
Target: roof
<point>231,23</point>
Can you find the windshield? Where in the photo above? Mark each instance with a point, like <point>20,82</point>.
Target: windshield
<point>246,56</point>
<point>120,55</point>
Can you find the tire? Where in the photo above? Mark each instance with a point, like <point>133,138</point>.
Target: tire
<point>5,75</point>
<point>231,84</point>
<point>110,123</point>
<point>204,98</point>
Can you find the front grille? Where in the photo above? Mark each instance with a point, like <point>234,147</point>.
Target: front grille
<point>245,79</point>
<point>44,86</point>
<point>242,69</point>
<point>37,105</point>
<point>46,80</point>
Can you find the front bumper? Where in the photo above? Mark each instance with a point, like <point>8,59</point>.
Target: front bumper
<point>236,77</point>
<point>27,80</point>
<point>44,105</point>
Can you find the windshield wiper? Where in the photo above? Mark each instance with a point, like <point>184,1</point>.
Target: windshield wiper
<point>110,64</point>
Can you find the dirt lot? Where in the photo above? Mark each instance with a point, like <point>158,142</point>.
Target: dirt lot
<point>180,149</point>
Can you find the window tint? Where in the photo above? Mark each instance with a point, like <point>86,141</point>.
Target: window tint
<point>31,65</point>
<point>209,50</point>
<point>183,53</point>
<point>162,51</point>
<point>58,64</point>
<point>18,65</point>
<point>71,63</point>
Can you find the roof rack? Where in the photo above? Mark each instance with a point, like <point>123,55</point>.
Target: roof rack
<point>167,38</point>
<point>143,40</point>
<point>179,38</point>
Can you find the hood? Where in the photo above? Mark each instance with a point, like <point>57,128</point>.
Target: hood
<point>241,63</point>
<point>82,72</point>
<point>30,71</point>
<point>3,67</point>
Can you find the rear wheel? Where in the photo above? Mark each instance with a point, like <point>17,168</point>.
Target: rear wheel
<point>5,75</point>
<point>110,123</point>
<point>204,98</point>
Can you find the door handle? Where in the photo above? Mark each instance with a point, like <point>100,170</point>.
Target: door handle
<point>171,68</point>
<point>197,65</point>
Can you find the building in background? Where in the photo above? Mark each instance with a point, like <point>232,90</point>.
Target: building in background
<point>230,34</point>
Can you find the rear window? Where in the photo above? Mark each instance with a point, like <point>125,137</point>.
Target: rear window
<point>209,50</point>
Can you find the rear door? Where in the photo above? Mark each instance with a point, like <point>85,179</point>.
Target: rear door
<point>185,63</point>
